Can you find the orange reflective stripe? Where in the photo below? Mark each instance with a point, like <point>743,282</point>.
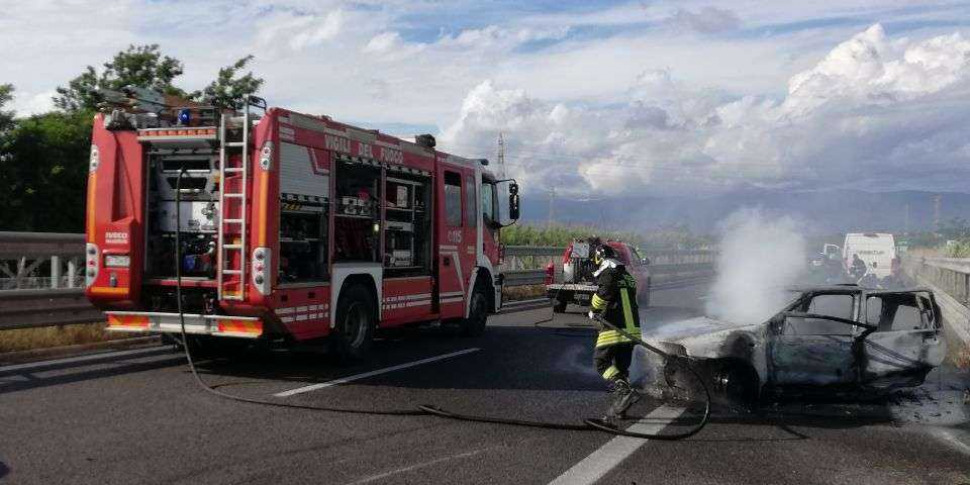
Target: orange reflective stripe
<point>241,326</point>
<point>137,321</point>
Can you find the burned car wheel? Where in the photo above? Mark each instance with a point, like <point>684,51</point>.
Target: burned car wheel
<point>736,382</point>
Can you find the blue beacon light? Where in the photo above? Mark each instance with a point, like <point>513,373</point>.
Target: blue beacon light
<point>184,115</point>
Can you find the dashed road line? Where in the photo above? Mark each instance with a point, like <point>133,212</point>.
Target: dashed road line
<point>343,380</point>
<point>607,457</point>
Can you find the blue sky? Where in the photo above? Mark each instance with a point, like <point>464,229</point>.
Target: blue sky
<point>677,96</point>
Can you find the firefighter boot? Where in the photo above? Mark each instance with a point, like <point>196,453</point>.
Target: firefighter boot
<point>625,396</point>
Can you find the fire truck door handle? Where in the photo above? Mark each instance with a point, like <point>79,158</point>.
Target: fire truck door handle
<point>447,261</point>
<point>312,294</point>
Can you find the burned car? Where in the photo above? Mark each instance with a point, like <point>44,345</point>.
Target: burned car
<point>827,339</point>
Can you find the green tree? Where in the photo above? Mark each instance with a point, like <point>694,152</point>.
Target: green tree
<point>143,66</point>
<point>230,90</point>
<point>6,117</point>
<point>44,158</point>
<point>43,172</point>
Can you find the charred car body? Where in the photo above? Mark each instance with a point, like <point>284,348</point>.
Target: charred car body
<point>834,338</point>
<point>578,283</point>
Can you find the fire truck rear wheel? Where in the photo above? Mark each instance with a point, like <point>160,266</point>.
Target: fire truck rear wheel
<point>354,332</point>
<point>474,325</point>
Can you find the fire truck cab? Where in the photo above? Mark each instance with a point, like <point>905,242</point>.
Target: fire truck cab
<point>291,227</point>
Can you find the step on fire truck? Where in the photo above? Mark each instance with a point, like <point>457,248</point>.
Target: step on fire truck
<point>293,227</point>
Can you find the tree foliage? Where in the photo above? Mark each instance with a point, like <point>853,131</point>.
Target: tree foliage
<point>673,237</point>
<point>44,158</point>
<point>142,66</point>
<point>230,90</point>
<point>6,117</point>
<point>145,66</point>
<point>43,172</point>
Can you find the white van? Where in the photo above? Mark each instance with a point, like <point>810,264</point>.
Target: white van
<point>878,250</point>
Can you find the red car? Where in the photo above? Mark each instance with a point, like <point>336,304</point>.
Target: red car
<point>577,284</point>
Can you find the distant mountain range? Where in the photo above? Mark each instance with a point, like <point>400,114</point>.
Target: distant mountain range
<point>821,212</point>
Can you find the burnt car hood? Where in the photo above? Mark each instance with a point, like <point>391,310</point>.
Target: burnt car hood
<point>705,337</point>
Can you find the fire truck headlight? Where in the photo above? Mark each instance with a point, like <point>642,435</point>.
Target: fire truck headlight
<point>266,156</point>
<point>95,159</point>
<point>91,255</point>
<point>260,268</point>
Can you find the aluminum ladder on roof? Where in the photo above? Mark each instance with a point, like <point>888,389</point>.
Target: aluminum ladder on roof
<point>233,207</point>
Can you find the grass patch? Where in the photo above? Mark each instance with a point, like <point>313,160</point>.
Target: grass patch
<point>56,336</point>
<point>960,357</point>
<point>523,292</point>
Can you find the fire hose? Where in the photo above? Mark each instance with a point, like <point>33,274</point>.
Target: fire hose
<point>425,409</point>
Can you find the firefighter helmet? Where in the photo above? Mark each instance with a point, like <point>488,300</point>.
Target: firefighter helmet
<point>602,253</point>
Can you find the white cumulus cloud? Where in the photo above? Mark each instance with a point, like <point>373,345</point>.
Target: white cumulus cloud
<point>874,113</point>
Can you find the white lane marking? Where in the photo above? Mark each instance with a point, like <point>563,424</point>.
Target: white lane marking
<point>374,478</point>
<point>950,438</point>
<point>342,380</point>
<point>608,456</point>
<point>83,358</point>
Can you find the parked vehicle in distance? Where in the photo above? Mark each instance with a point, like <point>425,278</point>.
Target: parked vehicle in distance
<point>578,284</point>
<point>829,338</point>
<point>877,250</point>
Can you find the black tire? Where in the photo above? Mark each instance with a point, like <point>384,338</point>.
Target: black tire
<point>474,325</point>
<point>559,306</point>
<point>354,332</point>
<point>738,383</point>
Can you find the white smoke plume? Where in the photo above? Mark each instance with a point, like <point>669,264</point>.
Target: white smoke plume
<point>760,257</point>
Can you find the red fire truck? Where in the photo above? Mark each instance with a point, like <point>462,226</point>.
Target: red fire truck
<point>292,227</point>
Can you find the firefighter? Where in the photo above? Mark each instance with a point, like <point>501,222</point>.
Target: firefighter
<point>614,301</point>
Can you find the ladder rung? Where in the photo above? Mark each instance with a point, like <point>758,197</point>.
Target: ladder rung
<point>235,144</point>
<point>233,221</point>
<point>231,271</point>
<point>232,195</point>
<point>233,169</point>
<point>232,246</point>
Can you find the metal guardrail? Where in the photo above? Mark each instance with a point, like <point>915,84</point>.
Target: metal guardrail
<point>949,278</point>
<point>41,275</point>
<point>30,260</point>
<point>42,308</point>
<point>952,275</point>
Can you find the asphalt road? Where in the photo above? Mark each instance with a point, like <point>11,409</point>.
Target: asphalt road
<point>138,417</point>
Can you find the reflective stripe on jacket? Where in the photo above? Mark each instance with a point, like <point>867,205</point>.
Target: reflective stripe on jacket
<point>616,301</point>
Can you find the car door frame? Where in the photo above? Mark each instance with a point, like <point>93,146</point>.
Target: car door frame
<point>884,366</point>
<point>776,345</point>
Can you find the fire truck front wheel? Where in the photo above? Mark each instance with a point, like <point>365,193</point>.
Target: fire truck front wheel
<point>354,332</point>
<point>474,325</point>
